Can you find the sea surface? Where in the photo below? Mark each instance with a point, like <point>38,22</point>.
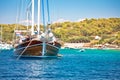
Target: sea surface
<point>91,64</point>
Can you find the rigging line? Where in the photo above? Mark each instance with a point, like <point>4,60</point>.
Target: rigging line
<point>18,14</point>
<point>30,3</point>
<point>17,19</point>
<point>43,15</point>
<point>25,5</point>
<point>28,8</point>
<point>26,2</point>
<point>48,11</point>
<point>21,10</point>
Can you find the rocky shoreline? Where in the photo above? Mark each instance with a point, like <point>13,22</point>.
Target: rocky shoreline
<point>89,46</point>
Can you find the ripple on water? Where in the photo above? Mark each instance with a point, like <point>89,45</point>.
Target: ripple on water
<point>74,65</point>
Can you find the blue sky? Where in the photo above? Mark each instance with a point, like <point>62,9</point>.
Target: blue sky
<point>72,10</point>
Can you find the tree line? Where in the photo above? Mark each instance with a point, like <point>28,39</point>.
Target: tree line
<point>83,31</point>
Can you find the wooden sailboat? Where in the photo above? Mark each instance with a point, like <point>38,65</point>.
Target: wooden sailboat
<point>35,48</point>
<point>37,45</point>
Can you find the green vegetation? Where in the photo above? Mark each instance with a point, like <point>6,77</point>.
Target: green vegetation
<point>8,30</point>
<point>83,31</point>
<point>86,30</point>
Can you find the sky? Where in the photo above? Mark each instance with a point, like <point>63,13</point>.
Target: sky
<point>71,10</point>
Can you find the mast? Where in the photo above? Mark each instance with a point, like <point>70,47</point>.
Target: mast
<point>44,44</point>
<point>32,29</point>
<point>38,17</point>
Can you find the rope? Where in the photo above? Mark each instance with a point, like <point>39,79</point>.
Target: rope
<point>24,50</point>
<point>17,19</point>
<point>21,11</point>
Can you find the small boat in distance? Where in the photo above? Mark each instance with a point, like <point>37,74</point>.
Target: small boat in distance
<point>36,44</point>
<point>82,50</point>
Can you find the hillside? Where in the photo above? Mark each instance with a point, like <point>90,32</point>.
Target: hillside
<point>86,30</point>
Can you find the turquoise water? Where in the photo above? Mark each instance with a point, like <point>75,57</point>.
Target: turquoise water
<point>74,65</point>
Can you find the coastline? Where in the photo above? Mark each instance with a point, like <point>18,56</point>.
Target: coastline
<point>89,46</point>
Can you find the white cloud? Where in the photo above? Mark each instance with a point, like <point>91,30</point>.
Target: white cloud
<point>79,20</point>
<point>61,21</point>
<point>25,22</point>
